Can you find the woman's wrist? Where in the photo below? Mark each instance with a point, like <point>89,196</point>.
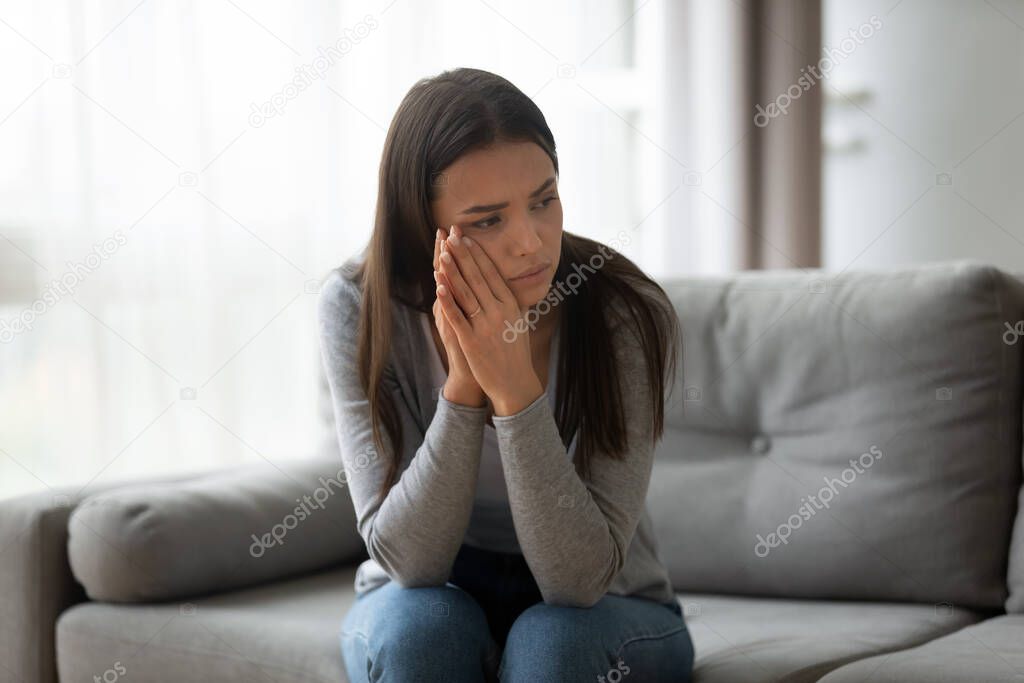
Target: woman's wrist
<point>512,401</point>
<point>463,394</point>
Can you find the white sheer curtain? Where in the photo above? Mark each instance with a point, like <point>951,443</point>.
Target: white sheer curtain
<point>190,234</point>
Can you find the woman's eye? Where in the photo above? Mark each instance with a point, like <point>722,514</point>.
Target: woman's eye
<point>486,223</point>
<point>548,200</point>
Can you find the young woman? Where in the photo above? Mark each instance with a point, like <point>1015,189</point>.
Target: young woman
<point>498,388</point>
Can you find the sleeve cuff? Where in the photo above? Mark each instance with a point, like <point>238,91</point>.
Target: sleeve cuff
<point>480,411</point>
<point>522,414</point>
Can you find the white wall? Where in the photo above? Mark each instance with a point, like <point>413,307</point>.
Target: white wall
<point>939,89</point>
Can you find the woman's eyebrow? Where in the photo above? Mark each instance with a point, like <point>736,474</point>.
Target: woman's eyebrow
<point>486,208</point>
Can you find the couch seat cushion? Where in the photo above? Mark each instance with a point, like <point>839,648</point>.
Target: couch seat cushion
<point>991,651</point>
<point>749,639</point>
<point>288,631</point>
<point>282,632</point>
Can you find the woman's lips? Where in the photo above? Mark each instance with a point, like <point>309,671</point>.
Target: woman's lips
<point>529,277</point>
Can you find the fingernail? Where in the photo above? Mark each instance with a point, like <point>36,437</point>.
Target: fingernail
<point>446,257</point>
<point>442,290</point>
<point>435,276</point>
<point>454,239</point>
<point>438,233</point>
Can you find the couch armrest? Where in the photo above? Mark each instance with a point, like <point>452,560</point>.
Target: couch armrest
<point>228,530</point>
<point>35,579</point>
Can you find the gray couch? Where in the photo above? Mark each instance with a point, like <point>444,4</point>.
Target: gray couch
<point>837,498</point>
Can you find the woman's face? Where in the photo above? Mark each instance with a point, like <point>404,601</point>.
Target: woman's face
<point>505,197</point>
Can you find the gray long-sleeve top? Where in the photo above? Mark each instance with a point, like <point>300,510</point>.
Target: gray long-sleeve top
<point>581,539</point>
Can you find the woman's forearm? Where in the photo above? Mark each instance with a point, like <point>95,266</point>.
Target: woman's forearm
<point>416,532</point>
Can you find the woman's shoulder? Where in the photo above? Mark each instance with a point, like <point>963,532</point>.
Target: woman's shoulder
<point>343,281</point>
<point>340,297</point>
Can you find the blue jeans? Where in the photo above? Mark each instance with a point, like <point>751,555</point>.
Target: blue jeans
<point>489,623</point>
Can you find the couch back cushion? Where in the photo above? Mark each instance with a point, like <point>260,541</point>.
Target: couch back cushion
<point>228,529</point>
<point>1014,335</point>
<point>844,436</point>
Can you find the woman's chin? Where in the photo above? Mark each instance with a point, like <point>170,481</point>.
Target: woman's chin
<point>528,297</point>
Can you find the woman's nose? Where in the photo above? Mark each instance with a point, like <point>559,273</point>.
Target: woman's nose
<point>526,237</point>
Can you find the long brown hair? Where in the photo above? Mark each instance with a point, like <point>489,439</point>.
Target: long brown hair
<point>440,119</point>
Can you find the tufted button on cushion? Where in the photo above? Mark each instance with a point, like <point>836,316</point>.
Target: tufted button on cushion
<point>760,444</point>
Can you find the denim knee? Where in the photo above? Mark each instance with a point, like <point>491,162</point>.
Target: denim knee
<point>549,642</point>
<point>558,627</point>
<point>558,643</point>
<point>427,633</point>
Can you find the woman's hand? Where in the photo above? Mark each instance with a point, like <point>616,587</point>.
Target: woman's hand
<point>503,368</point>
<point>461,387</point>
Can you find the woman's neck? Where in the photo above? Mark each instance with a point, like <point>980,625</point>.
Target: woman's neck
<point>541,352</point>
<point>543,333</point>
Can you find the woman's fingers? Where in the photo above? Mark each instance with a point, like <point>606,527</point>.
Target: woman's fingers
<point>437,248</point>
<point>462,292</point>
<point>442,324</point>
<point>495,283</point>
<point>469,271</point>
<point>453,314</point>
<point>440,236</point>
<point>443,280</point>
